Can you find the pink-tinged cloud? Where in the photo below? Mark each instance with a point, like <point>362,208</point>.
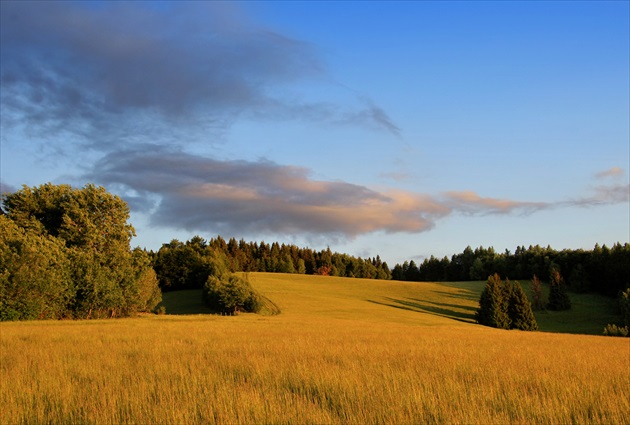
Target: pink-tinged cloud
<point>471,203</point>
<point>240,197</point>
<point>204,194</point>
<point>612,172</point>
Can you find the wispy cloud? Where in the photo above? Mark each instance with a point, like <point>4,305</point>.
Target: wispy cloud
<point>471,203</point>
<point>121,73</point>
<point>612,172</point>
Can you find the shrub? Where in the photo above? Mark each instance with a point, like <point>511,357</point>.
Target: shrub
<point>231,293</point>
<point>614,330</point>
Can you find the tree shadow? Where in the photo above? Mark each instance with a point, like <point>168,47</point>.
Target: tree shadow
<point>457,312</point>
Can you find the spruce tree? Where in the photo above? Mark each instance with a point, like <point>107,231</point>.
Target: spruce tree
<point>558,295</point>
<point>493,305</point>
<point>519,309</point>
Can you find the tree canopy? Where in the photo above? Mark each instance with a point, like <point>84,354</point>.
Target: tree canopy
<point>85,265</point>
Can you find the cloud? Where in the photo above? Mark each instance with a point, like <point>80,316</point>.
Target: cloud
<point>471,203</point>
<point>121,73</point>
<point>612,172</point>
<point>205,194</point>
<point>180,190</point>
<point>6,188</point>
<point>603,195</point>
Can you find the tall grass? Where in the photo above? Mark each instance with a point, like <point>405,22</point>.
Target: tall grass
<point>336,354</point>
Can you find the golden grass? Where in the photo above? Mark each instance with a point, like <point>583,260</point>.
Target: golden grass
<point>342,351</point>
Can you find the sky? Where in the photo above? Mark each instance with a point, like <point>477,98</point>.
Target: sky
<point>399,129</point>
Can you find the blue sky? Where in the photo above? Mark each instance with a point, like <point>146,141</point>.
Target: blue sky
<point>404,129</point>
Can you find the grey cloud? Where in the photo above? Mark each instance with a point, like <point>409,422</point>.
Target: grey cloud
<point>180,190</point>
<point>124,68</point>
<point>206,194</point>
<point>603,195</point>
<point>6,188</point>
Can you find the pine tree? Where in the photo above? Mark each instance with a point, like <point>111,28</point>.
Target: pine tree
<point>493,305</point>
<point>558,295</point>
<point>519,309</point>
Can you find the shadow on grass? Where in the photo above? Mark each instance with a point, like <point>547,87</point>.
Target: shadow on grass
<point>450,311</point>
<point>188,301</point>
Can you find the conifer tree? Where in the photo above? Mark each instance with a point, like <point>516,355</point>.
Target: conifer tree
<point>519,309</point>
<point>558,295</point>
<point>493,305</point>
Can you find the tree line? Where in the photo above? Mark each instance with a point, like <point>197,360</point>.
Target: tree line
<point>603,270</point>
<point>187,265</point>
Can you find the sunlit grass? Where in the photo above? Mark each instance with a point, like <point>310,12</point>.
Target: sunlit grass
<point>342,351</point>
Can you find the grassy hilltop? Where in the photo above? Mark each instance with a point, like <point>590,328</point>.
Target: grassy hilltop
<point>342,351</point>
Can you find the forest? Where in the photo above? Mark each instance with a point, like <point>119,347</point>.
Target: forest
<point>602,270</point>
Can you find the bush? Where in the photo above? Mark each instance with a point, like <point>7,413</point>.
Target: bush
<point>231,293</point>
<point>614,330</point>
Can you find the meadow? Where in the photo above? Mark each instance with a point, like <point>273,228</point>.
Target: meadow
<point>342,351</point>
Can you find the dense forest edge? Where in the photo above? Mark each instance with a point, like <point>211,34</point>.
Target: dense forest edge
<point>65,253</point>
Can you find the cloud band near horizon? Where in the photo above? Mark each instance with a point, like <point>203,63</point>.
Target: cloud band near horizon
<point>210,195</point>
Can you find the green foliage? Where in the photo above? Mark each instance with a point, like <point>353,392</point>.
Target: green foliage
<point>35,274</point>
<point>70,248</point>
<point>603,270</point>
<point>558,295</point>
<point>504,305</point>
<point>519,308</point>
<point>614,330</point>
<point>493,305</point>
<point>180,265</point>
<point>231,293</point>
<point>187,265</point>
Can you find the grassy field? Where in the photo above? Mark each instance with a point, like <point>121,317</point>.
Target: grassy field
<point>342,351</point>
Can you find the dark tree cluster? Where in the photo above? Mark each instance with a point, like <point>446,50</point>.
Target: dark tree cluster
<point>64,252</point>
<point>186,265</point>
<point>602,269</point>
<point>504,305</point>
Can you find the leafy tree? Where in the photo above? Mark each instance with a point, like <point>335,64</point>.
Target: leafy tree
<point>493,305</point>
<point>231,293</point>
<point>90,229</point>
<point>34,274</point>
<point>558,295</point>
